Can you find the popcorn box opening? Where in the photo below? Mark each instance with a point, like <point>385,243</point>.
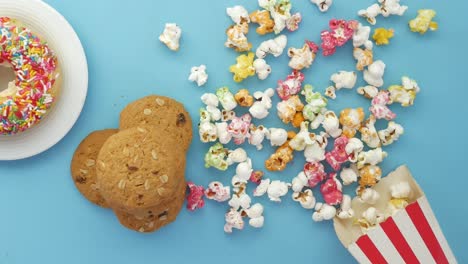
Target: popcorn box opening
<point>411,235</point>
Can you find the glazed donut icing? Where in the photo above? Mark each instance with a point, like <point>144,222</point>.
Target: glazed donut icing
<point>33,91</point>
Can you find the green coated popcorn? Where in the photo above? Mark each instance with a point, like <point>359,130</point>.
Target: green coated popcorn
<point>226,98</point>
<point>216,157</point>
<point>316,103</point>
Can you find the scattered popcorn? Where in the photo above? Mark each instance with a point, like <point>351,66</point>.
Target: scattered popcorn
<point>233,220</point>
<point>323,5</point>
<point>391,133</point>
<point>261,106</point>
<point>368,91</point>
<point>370,219</point>
<point>342,79</point>
<point>171,36</point>
<point>262,68</point>
<point>239,128</point>
<point>370,13</point>
<point>262,188</point>
<point>228,115</point>
<point>338,155</point>
<point>218,192</point>
<point>236,37</point>
<point>279,10</point>
<point>315,173</point>
<point>345,211</point>
<point>257,135</point>
<point>255,213</point>
<point>195,197</point>
<point>331,124</point>
<point>369,133</point>
<point>243,98</point>
<point>369,196</point>
<point>244,67</point>
<point>238,14</point>
<point>340,32</point>
<point>372,157</point>
<point>276,190</point>
<point>351,120</point>
<point>423,21</point>
<point>236,156</point>
<point>363,57</point>
<point>303,57</point>
<point>288,108</point>
<point>224,136</point>
<point>316,103</point>
<point>382,36</point>
<point>291,86</point>
<point>207,132</point>
<point>379,106</point>
<point>404,94</point>
<point>370,175</point>
<point>297,119</point>
<point>353,148</point>
<point>299,182</point>
<point>198,75</point>
<point>316,151</point>
<point>211,101</point>
<point>302,139</point>
<point>292,23</point>
<point>274,47</point>
<point>256,177</point>
<point>263,19</point>
<point>216,157</point>
<point>374,73</point>
<point>361,37</point>
<point>244,170</point>
<point>400,194</point>
<point>282,156</point>
<point>331,190</point>
<point>240,199</point>
<point>305,198</point>
<point>330,92</point>
<point>226,98</point>
<point>277,136</point>
<point>323,212</point>
<point>349,175</point>
<point>392,7</point>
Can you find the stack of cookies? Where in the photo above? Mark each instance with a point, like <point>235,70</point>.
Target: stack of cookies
<point>138,170</point>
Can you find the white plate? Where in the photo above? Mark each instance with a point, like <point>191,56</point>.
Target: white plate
<point>52,26</point>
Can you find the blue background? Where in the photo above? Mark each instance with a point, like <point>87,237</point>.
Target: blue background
<point>44,219</point>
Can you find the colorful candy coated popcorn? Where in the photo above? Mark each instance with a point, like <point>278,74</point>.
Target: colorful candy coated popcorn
<point>345,211</point>
<point>238,14</point>
<point>303,138</point>
<point>370,13</point>
<point>243,98</point>
<point>256,177</point>
<point>361,37</point>
<point>195,197</point>
<point>262,105</point>
<point>262,68</point>
<point>315,173</point>
<point>382,36</point>
<point>303,57</point>
<point>297,119</point>
<point>391,133</point>
<point>226,98</point>
<point>263,19</point>
<point>331,124</point>
<point>288,108</point>
<point>255,213</point>
<point>276,190</point>
<point>244,67</point>
<point>218,192</point>
<point>338,155</point>
<point>198,75</point>
<point>239,128</point>
<point>291,86</point>
<point>351,120</point>
<point>364,58</point>
<point>423,21</point>
<point>216,157</point>
<point>292,23</point>
<point>257,135</point>
<point>233,220</point>
<point>281,158</point>
<point>379,107</point>
<point>392,7</point>
<point>323,5</point>
<point>374,73</point>
<point>340,32</point>
<point>316,151</point>
<point>305,198</point>
<point>316,103</point>
<point>280,11</point>
<point>171,36</point>
<point>323,212</point>
<point>369,133</point>
<point>236,37</point>
<point>274,47</point>
<point>404,94</point>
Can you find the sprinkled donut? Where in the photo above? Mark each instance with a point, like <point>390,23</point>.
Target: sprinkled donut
<point>33,91</point>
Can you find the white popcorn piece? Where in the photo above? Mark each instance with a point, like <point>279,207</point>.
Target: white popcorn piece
<point>344,79</point>
<point>171,36</point>
<point>207,132</point>
<point>330,92</point>
<point>262,188</point>
<point>370,13</point>
<point>276,190</point>
<point>369,196</point>
<point>262,105</point>
<point>345,211</point>
<point>353,148</point>
<point>406,93</point>
<point>238,14</point>
<point>211,101</point>
<point>318,119</point>
<point>303,57</point>
<point>224,136</point>
<point>236,156</point>
<point>392,7</point>
<point>255,213</point>
<point>272,46</point>
<point>371,157</point>
<point>316,151</point>
<point>331,124</point>
<point>234,220</point>
<point>277,136</point>
<point>401,190</point>
<point>237,182</point>
<point>244,170</point>
<point>198,75</point>
<point>218,192</point>
<point>227,115</point>
<point>369,133</point>
<point>305,198</point>
<point>299,182</point>
<point>302,139</point>
<point>323,5</point>
<point>262,69</point>
<point>373,75</point>
<point>323,212</point>
<point>257,135</point>
<point>368,91</point>
<point>370,218</point>
<point>361,37</point>
<point>241,200</point>
<point>349,175</point>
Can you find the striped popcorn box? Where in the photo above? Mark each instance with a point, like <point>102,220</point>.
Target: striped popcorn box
<point>411,235</point>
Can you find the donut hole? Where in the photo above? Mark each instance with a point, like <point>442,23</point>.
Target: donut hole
<point>7,75</point>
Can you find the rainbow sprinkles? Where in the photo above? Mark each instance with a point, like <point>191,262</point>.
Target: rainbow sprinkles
<point>33,91</point>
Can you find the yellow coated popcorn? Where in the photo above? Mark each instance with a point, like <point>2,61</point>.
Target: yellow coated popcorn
<point>423,21</point>
<point>244,67</point>
<point>351,120</point>
<point>382,36</point>
<point>243,98</point>
<point>236,37</point>
<point>266,24</point>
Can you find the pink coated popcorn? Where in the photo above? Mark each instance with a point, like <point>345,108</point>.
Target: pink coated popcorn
<point>218,192</point>
<point>292,24</point>
<point>256,177</point>
<point>195,197</point>
<point>291,86</point>
<point>239,128</point>
<point>315,173</point>
<point>338,155</point>
<point>331,190</point>
<point>340,32</point>
<point>379,106</point>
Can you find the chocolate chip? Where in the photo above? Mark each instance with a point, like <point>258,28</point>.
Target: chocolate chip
<point>80,179</point>
<point>181,119</point>
<point>132,168</point>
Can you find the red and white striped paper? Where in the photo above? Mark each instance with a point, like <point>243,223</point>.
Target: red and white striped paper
<point>413,235</point>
